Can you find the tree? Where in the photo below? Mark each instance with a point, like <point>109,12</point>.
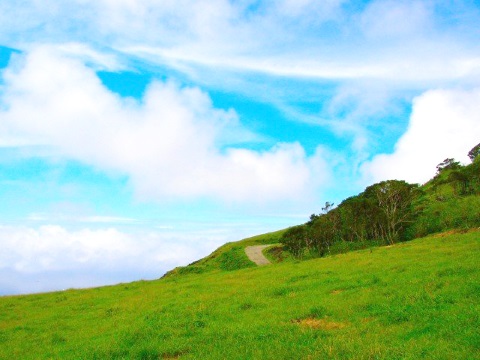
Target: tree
<point>328,207</point>
<point>448,163</point>
<point>294,240</point>
<point>321,235</point>
<point>470,176</point>
<point>459,181</point>
<point>313,218</point>
<point>394,199</point>
<point>474,153</point>
<point>355,218</point>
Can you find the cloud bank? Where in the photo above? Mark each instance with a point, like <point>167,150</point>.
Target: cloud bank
<point>51,257</point>
<point>172,144</point>
<point>444,124</point>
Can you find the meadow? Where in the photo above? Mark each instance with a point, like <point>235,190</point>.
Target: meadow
<point>414,300</point>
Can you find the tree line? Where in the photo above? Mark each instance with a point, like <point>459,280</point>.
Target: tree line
<point>392,211</point>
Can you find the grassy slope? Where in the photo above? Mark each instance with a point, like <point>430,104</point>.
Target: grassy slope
<point>230,256</point>
<point>414,300</point>
<point>443,208</point>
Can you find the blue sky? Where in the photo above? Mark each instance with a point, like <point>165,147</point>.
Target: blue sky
<point>136,136</point>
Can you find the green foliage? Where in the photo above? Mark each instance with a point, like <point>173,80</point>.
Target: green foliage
<point>414,300</point>
<point>451,201</point>
<point>393,211</point>
<point>448,164</point>
<point>321,235</point>
<point>474,152</point>
<point>382,212</point>
<point>294,240</point>
<point>464,180</point>
<point>394,200</point>
<point>454,213</point>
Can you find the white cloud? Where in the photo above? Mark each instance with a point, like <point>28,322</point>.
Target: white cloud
<point>401,41</point>
<point>86,257</point>
<point>173,143</point>
<point>444,123</point>
<point>396,19</point>
<point>98,60</point>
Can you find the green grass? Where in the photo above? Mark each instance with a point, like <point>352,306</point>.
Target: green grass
<point>414,300</point>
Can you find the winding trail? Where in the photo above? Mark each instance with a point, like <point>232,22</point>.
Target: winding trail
<point>255,254</point>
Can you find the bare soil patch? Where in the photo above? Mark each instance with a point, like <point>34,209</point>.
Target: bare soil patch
<point>321,324</point>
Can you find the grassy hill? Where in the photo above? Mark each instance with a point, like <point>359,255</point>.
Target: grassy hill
<point>348,298</point>
<point>230,256</point>
<point>419,299</point>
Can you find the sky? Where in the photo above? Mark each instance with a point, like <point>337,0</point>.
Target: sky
<point>136,136</point>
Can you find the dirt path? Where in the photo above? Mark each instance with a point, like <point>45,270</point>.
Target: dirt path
<point>254,253</point>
